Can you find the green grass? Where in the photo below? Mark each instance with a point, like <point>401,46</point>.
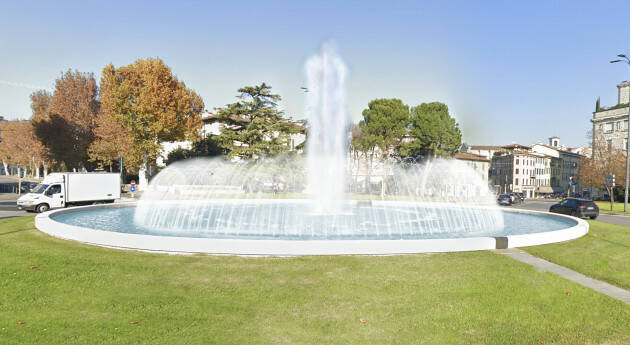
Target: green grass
<point>604,253</point>
<point>81,294</point>
<point>605,207</point>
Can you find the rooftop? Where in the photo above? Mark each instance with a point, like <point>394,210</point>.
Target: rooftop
<point>467,156</point>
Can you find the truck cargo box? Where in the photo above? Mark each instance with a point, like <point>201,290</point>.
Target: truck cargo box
<point>92,186</point>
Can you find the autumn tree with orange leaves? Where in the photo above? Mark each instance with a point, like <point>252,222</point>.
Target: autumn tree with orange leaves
<point>151,105</point>
<point>64,122</point>
<point>19,146</point>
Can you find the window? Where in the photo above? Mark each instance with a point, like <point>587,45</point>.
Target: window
<point>516,182</point>
<point>517,161</point>
<point>517,171</point>
<point>609,143</point>
<point>618,125</point>
<point>54,189</point>
<point>608,127</point>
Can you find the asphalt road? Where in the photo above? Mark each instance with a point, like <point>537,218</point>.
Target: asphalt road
<point>8,209</point>
<point>543,205</point>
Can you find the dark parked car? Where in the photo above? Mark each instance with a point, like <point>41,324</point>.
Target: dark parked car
<point>576,207</point>
<point>516,198</point>
<point>27,186</point>
<point>504,200</point>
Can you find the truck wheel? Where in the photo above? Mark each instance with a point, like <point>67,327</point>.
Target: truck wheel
<point>42,208</point>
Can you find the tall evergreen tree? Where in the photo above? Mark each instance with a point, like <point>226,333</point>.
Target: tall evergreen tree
<point>384,124</point>
<point>433,131</point>
<point>254,127</point>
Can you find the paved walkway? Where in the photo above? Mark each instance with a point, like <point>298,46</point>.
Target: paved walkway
<point>544,265</point>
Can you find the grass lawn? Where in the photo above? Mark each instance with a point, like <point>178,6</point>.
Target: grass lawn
<point>605,207</point>
<point>60,292</point>
<point>604,253</point>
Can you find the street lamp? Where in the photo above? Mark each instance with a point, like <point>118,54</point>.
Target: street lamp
<point>625,59</point>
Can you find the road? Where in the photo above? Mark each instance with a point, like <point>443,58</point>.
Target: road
<point>543,205</point>
<point>8,209</point>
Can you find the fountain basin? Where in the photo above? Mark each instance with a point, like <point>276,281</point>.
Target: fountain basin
<point>112,226</point>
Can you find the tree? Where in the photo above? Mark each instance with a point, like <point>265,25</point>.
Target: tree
<point>253,126</point>
<point>20,146</point>
<point>383,126</point>
<point>65,123</point>
<point>152,105</point>
<point>112,141</point>
<point>603,161</point>
<point>433,131</point>
<point>206,147</point>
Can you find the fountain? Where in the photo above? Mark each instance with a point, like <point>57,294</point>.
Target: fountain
<point>327,141</point>
<point>317,204</point>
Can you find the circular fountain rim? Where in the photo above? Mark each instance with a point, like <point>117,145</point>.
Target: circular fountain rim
<point>249,247</point>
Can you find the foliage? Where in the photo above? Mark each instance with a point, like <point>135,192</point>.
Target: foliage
<point>206,147</point>
<point>384,124</point>
<point>151,105</point>
<point>112,141</point>
<point>64,123</point>
<point>433,131</point>
<point>592,170</point>
<point>253,126</point>
<point>598,105</point>
<point>19,144</point>
<point>617,106</point>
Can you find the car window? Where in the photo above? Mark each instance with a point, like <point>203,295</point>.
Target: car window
<point>564,202</point>
<point>54,189</point>
<point>39,189</point>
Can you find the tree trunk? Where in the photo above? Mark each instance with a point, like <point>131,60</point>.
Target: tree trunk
<point>6,167</point>
<point>45,169</point>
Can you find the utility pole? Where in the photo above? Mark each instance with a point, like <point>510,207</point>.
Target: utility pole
<point>625,197</point>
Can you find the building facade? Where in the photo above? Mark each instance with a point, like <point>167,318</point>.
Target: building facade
<point>563,166</point>
<point>480,164</point>
<point>521,171</point>
<point>610,125</point>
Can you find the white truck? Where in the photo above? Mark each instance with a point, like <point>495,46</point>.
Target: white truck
<point>68,189</point>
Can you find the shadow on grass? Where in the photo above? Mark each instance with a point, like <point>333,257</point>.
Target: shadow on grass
<point>14,231</point>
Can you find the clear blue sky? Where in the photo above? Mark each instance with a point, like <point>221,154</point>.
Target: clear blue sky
<point>509,71</point>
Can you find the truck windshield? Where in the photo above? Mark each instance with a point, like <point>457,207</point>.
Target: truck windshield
<point>39,189</point>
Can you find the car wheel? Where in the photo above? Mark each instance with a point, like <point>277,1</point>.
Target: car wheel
<point>593,217</point>
<point>42,208</point>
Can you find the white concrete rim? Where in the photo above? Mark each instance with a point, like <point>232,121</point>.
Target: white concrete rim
<point>188,245</point>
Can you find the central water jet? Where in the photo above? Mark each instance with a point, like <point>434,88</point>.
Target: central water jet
<point>327,144</point>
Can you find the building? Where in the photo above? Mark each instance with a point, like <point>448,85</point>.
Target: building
<point>479,163</point>
<point>563,163</point>
<point>521,171</point>
<point>490,151</point>
<point>610,125</point>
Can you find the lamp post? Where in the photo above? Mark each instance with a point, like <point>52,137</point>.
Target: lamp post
<point>625,59</point>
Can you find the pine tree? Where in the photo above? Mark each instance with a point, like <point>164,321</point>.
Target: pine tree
<point>253,126</point>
